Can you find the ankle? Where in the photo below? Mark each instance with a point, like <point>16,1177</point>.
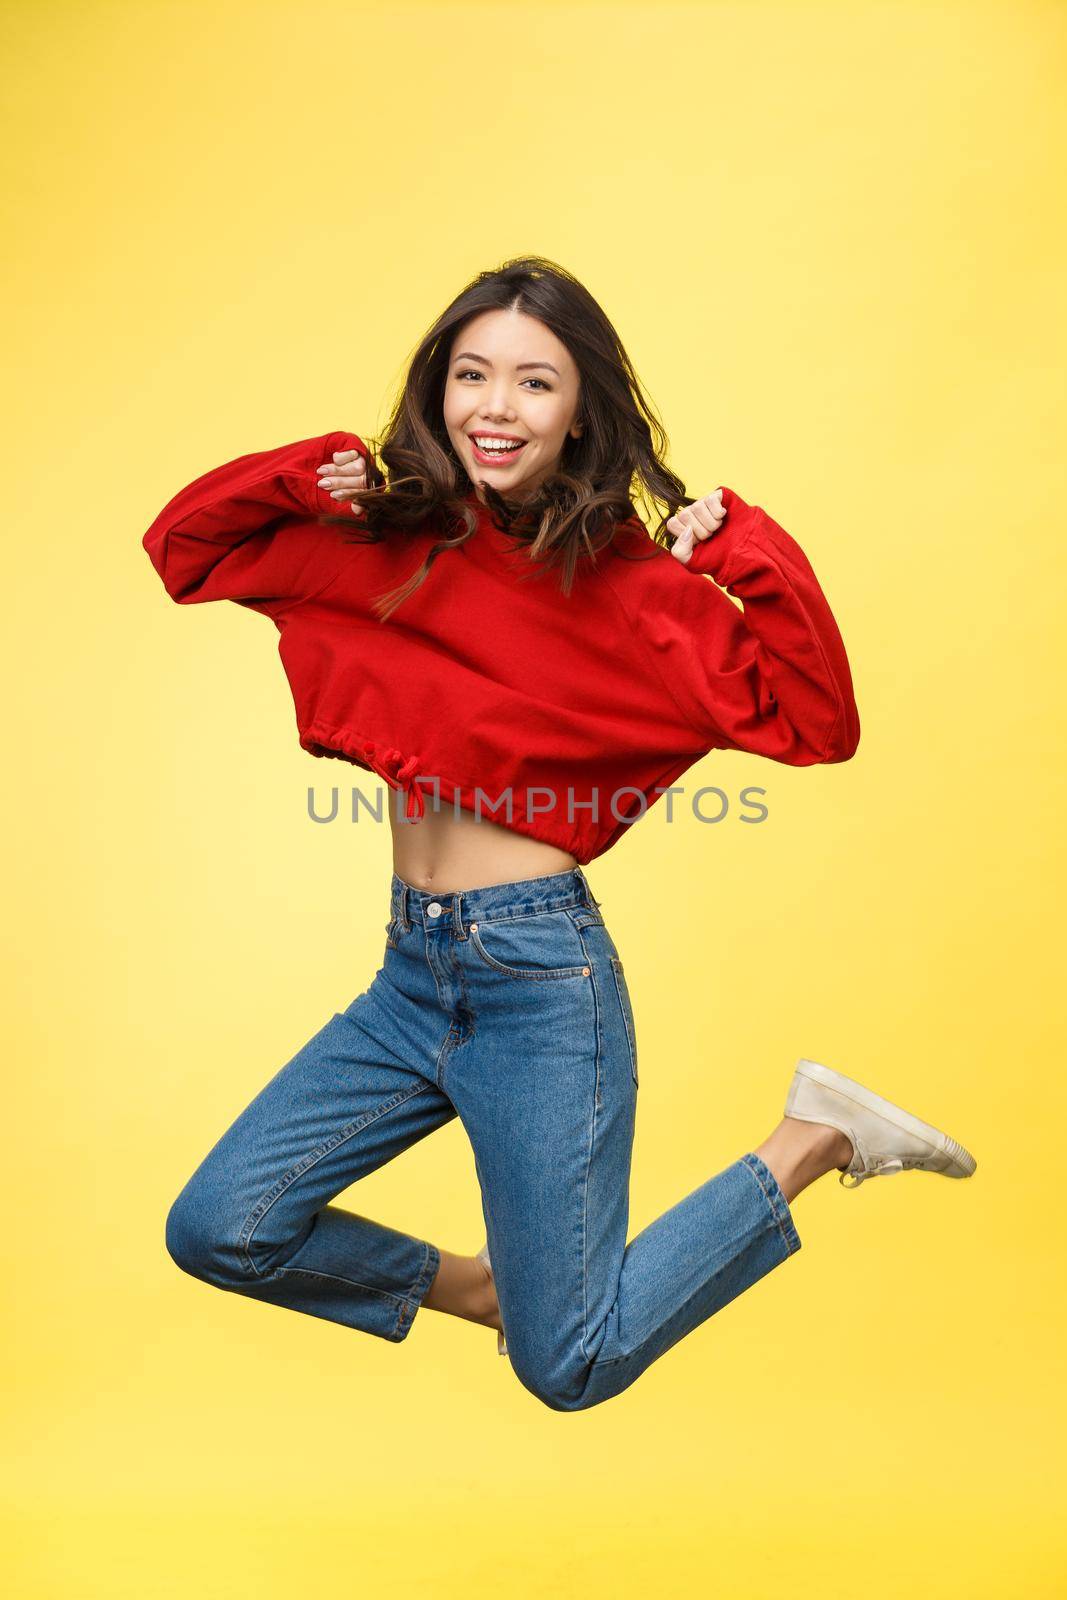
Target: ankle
<point>798,1152</point>
<point>463,1288</point>
<point>484,1304</point>
<point>832,1148</point>
<point>813,1142</point>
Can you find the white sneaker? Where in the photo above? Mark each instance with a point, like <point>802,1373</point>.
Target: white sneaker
<point>483,1257</point>
<point>884,1138</point>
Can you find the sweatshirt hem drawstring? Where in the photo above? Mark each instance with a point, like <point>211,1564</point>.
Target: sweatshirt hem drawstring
<point>398,773</point>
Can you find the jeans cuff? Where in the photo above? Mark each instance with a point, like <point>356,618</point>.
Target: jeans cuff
<point>777,1201</point>
<point>408,1307</point>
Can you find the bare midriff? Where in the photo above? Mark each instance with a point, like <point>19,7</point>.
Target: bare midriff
<point>449,850</point>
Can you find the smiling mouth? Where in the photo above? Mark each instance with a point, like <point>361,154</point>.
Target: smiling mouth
<point>495,455</point>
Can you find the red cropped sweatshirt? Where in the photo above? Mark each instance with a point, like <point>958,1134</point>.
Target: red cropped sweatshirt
<point>563,718</point>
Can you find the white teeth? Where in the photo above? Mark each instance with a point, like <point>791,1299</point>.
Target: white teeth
<point>495,444</point>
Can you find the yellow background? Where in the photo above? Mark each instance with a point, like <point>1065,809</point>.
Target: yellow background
<point>830,237</point>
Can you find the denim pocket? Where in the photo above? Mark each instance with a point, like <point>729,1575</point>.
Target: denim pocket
<point>393,929</point>
<point>540,947</point>
<point>627,1012</point>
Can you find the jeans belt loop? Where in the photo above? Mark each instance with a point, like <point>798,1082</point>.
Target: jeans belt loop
<point>457,915</point>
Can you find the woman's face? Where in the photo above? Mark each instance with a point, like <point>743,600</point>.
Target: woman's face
<point>510,378</point>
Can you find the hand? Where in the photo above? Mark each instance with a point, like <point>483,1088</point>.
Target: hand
<point>345,476</point>
<point>698,521</point>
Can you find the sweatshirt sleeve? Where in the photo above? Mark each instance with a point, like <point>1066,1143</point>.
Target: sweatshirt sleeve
<point>772,679</point>
<point>248,531</point>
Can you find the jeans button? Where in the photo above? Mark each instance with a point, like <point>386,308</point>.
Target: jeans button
<point>434,909</point>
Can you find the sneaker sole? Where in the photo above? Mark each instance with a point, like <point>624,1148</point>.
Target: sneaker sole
<point>963,1163</point>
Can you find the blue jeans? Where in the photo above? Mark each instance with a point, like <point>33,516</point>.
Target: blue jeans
<point>508,1007</point>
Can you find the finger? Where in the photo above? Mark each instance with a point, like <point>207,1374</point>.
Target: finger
<point>343,460</point>
<point>686,523</point>
<point>707,516</point>
<point>345,478</point>
<point>682,548</point>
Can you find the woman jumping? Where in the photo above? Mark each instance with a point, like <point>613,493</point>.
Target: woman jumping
<point>476,613</point>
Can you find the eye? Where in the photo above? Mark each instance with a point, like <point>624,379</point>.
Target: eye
<point>470,372</point>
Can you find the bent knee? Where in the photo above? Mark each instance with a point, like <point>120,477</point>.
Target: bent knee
<point>560,1388</point>
<point>198,1243</point>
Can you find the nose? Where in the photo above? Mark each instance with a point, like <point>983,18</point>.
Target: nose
<point>495,406</point>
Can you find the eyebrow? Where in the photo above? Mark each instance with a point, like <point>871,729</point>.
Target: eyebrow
<point>523,366</point>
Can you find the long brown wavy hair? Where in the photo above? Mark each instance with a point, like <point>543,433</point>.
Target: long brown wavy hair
<point>579,507</point>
